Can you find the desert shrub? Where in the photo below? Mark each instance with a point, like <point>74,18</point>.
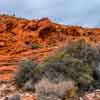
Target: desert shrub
<point>35,46</point>
<point>82,50</point>
<point>76,61</point>
<point>25,72</point>
<point>86,53</point>
<point>67,67</point>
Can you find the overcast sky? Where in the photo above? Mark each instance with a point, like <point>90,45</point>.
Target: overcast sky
<point>73,12</point>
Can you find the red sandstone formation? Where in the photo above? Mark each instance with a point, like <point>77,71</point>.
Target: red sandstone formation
<point>18,35</point>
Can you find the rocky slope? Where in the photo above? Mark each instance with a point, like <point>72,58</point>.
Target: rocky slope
<point>19,37</point>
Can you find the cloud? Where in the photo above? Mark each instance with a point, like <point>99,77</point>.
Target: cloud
<point>74,12</point>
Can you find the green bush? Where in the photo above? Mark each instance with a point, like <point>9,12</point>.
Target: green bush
<point>25,72</point>
<point>67,67</point>
<point>84,51</point>
<point>35,46</point>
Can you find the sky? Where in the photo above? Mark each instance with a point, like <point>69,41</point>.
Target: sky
<point>70,12</point>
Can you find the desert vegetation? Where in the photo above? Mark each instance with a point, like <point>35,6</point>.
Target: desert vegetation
<point>65,75</point>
